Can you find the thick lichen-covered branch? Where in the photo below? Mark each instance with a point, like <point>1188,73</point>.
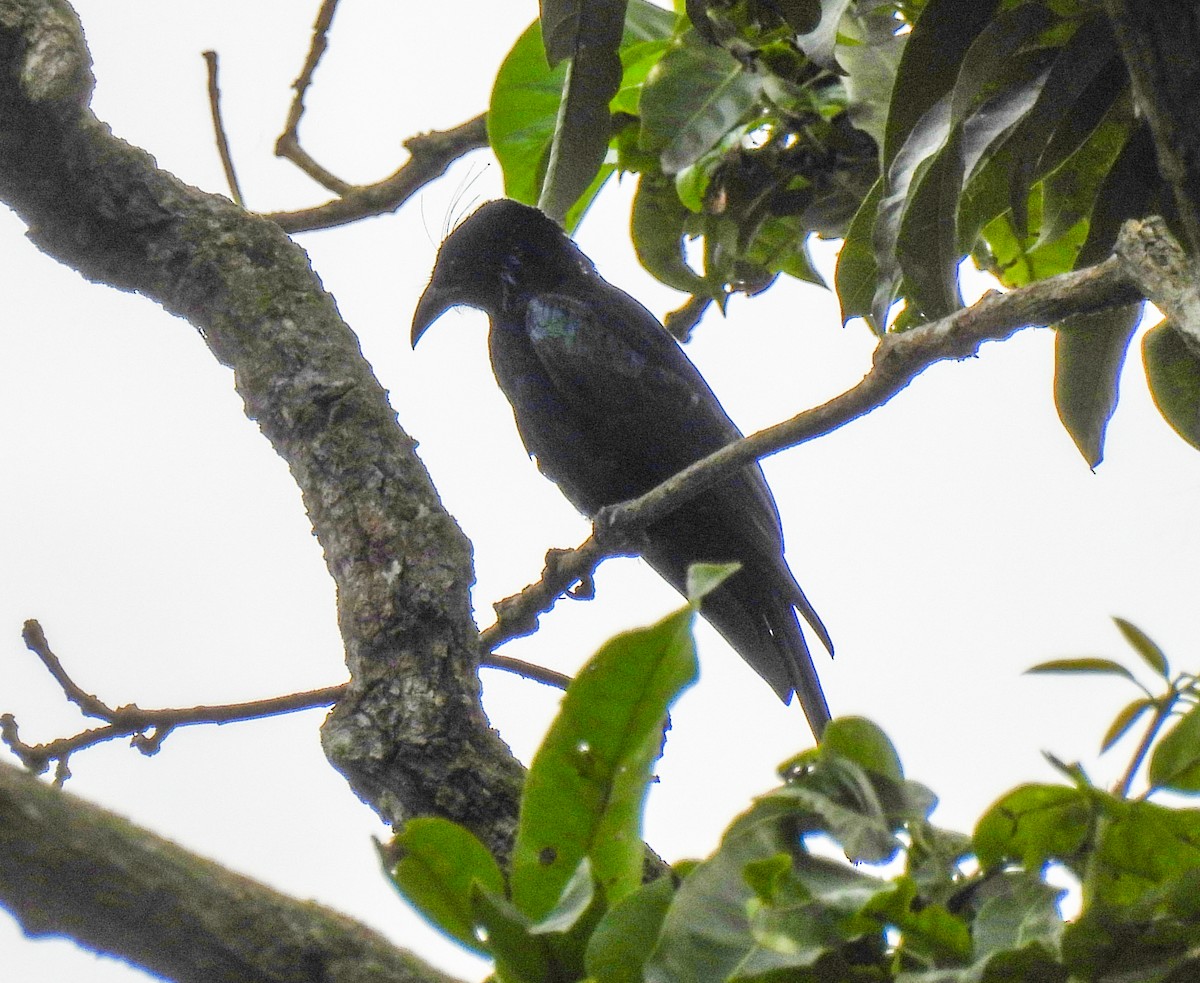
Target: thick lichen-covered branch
<point>410,735</point>
<point>71,868</point>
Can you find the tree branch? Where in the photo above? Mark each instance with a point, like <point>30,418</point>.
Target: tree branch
<point>899,359</point>
<point>1158,43</point>
<point>148,728</point>
<point>167,910</point>
<point>214,106</point>
<point>410,735</point>
<point>430,155</point>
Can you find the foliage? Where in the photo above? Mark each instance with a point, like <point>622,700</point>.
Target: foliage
<point>913,904</point>
<point>923,133</point>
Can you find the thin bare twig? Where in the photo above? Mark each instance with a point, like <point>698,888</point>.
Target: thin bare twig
<point>539,674</point>
<point>898,360</point>
<point>214,103</point>
<point>147,728</point>
<point>431,154</point>
<point>288,144</point>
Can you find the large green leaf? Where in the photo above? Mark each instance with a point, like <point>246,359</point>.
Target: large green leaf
<point>819,42</point>
<point>1175,763</point>
<point>692,98</point>
<point>1088,55</point>
<point>622,943</point>
<point>583,126</point>
<point>658,229</point>
<point>930,64</point>
<point>439,864</point>
<point>1087,363</point>
<point>1034,823</point>
<point>522,113</point>
<point>1173,372</point>
<point>584,791</point>
<point>1089,352</point>
<point>524,105</point>
<point>1143,847</point>
<point>857,272</point>
<point>707,934</point>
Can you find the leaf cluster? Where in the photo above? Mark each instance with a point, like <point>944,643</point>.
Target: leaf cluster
<point>922,133</point>
<point>836,875</point>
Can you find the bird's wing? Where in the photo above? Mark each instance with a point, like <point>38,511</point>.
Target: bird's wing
<point>613,364</point>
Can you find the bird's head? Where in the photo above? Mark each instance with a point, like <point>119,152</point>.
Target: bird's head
<point>502,251</point>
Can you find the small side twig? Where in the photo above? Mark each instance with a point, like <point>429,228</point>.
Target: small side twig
<point>146,728</point>
<point>288,144</point>
<point>528,670</point>
<point>431,154</point>
<point>214,103</point>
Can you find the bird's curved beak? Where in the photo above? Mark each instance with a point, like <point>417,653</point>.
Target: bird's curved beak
<point>434,302</point>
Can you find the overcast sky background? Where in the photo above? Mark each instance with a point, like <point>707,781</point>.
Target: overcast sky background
<point>950,539</point>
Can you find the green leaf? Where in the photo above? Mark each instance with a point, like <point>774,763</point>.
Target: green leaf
<point>928,931</point>
<point>525,98</point>
<point>522,114</point>
<point>863,742</point>
<point>636,60</point>
<point>706,932</point>
<point>871,62</point>
<point>857,271</point>
<point>692,98</point>
<point>1034,823</point>
<point>1145,647</point>
<point>1088,664</point>
<point>926,247</point>
<point>819,41</point>
<point>858,823</point>
<point>1089,353</point>
<point>577,897</point>
<point>1019,910</point>
<point>1090,348</point>
<point>439,863</point>
<point>568,926</point>
<point>658,229</point>
<point>1089,55</point>
<point>1070,187</point>
<point>1142,848</point>
<point>1124,720</point>
<point>584,792</point>
<point>583,126</point>
<point>929,66</point>
<point>520,956</point>
<point>622,943</point>
<point>1175,763</point>
<point>1173,374</point>
<point>912,161</point>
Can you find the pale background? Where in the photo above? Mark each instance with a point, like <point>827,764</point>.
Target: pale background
<point>950,540</point>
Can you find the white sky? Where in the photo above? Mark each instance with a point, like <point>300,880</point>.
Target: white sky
<point>950,540</point>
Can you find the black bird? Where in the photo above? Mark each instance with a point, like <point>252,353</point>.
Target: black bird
<point>609,405</point>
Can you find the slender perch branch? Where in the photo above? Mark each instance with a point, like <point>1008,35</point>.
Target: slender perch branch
<point>898,360</point>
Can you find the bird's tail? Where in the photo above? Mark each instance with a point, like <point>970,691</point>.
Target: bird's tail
<point>802,673</point>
